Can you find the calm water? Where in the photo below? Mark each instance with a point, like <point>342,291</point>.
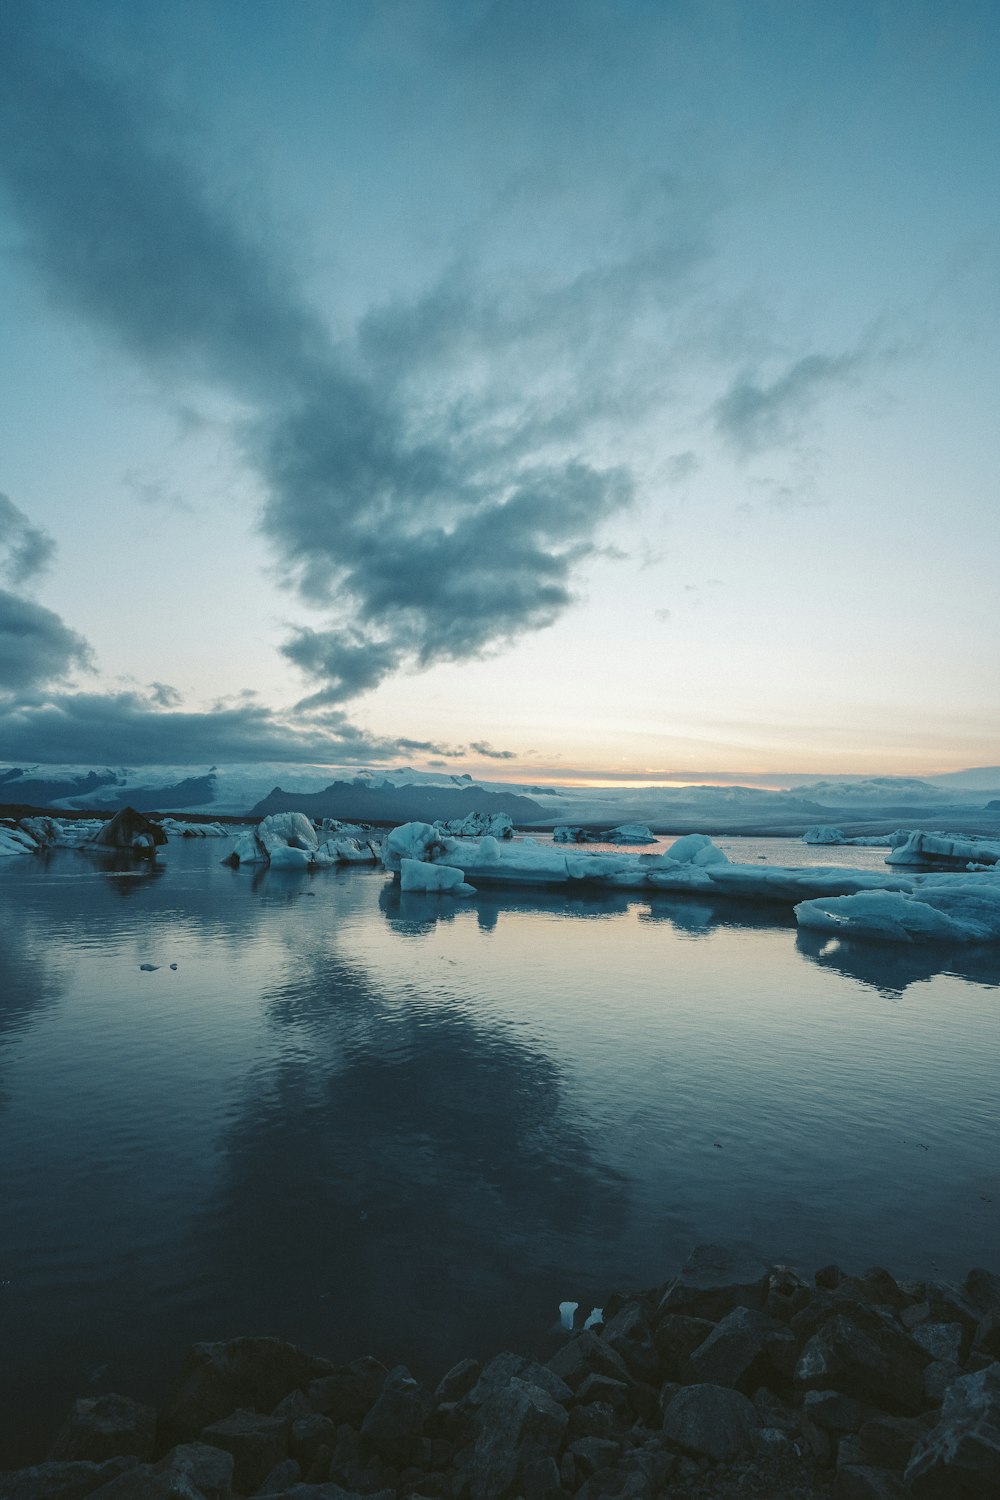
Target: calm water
<point>373,1122</point>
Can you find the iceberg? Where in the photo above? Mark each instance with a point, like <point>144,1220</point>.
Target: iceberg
<point>289,841</point>
<point>417,875</point>
<point>625,833</point>
<point>176,828</point>
<point>478,825</point>
<point>630,833</point>
<point>942,908</point>
<point>15,841</point>
<point>945,850</point>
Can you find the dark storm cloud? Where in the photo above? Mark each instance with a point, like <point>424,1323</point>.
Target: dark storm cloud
<point>425,542</point>
<point>79,728</point>
<point>25,550</point>
<point>35,646</point>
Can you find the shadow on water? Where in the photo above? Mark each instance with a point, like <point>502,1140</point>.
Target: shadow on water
<point>890,968</point>
<point>407,1180</point>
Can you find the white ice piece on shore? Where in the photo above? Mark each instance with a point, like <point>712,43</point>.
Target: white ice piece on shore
<point>417,875</point>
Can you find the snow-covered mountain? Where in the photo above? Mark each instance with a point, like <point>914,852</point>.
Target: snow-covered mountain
<point>405,792</point>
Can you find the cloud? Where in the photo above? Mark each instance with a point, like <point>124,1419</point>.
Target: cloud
<point>753,414</point>
<point>481,747</point>
<point>35,646</point>
<point>82,728</point>
<point>423,540</point>
<point>25,550</point>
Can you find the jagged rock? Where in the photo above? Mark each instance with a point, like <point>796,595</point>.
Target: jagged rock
<point>938,1376</point>
<point>772,1411</point>
<point>218,1378</point>
<point>256,1443</point>
<point>887,1442</point>
<point>676,1338</point>
<point>587,1354</point>
<point>629,1333</point>
<point>592,1453</point>
<point>716,1278</point>
<point>858,1482</point>
<point>829,1277</point>
<point>616,1484</point>
<point>518,1426</point>
<point>71,1480</point>
<point>394,1426</point>
<point>960,1457</point>
<point>743,1350</point>
<point>100,1427</point>
<point>786,1293</point>
<point>833,1411</point>
<point>711,1421</point>
<point>942,1341</point>
<point>282,1477</point>
<point>874,1361</point>
<point>308,1434</point>
<point>596,1419</point>
<point>982,1289</point>
<point>348,1392</point>
<point>614,1393</point>
<point>987,1340</point>
<point>293,1406</point>
<point>458,1381</point>
<point>192,1470</point>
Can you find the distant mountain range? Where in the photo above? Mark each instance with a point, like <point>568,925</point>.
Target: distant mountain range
<point>955,801</point>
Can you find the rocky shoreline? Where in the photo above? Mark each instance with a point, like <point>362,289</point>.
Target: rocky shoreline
<point>735,1379</point>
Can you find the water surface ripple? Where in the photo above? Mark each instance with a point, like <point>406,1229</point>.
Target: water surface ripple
<point>401,1124</point>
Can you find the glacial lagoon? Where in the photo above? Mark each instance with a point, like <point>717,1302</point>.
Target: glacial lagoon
<point>405,1125</point>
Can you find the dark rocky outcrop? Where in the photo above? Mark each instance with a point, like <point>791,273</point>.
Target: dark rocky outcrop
<point>129,829</point>
<point>730,1381</point>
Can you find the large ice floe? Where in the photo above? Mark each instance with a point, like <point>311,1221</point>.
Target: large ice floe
<point>878,905</point>
<point>289,841</point>
<point>950,851</point>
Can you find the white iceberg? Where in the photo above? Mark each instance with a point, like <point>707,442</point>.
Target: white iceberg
<point>630,833</point>
<point>417,875</point>
<point>16,841</point>
<point>947,850</point>
<point>943,909</point>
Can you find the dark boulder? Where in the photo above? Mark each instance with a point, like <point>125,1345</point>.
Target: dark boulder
<point>960,1457</point>
<point>711,1421</point>
<point>100,1427</point>
<point>216,1379</point>
<point>61,1481</point>
<point>716,1278</point>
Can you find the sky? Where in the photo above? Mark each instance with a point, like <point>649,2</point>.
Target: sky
<point>597,390</point>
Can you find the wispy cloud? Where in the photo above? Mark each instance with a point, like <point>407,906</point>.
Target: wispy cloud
<point>424,542</point>
<point>755,413</point>
<point>25,549</point>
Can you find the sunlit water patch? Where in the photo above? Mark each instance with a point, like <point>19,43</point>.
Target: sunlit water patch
<point>370,1121</point>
